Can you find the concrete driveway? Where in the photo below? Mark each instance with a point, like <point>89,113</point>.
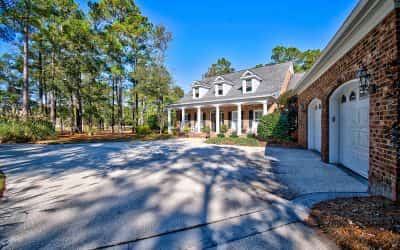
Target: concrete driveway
<point>175,194</point>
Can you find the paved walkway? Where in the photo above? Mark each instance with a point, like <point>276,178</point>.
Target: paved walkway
<point>175,194</point>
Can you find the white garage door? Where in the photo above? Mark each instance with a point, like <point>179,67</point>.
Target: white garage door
<point>354,132</point>
<point>314,125</point>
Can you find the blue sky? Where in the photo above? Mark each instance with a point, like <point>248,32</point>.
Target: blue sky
<point>244,32</point>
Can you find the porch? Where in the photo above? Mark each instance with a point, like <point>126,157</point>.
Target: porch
<point>239,118</point>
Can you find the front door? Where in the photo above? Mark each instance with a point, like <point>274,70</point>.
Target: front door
<point>234,121</point>
<point>213,121</point>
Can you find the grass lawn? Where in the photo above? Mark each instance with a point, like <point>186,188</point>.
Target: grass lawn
<point>104,137</point>
<point>234,141</point>
<point>359,223</point>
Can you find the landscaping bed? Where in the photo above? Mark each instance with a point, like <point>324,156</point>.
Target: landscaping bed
<point>105,137</point>
<point>239,141</point>
<point>359,223</point>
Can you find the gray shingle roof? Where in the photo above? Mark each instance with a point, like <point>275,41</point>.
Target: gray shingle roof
<point>272,76</point>
<point>295,80</point>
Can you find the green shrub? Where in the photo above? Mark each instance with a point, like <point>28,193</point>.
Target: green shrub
<point>143,130</point>
<point>206,130</point>
<point>251,135</point>
<point>223,129</point>
<point>13,130</point>
<point>153,122</point>
<point>233,141</point>
<point>274,126</point>
<point>220,135</point>
<point>234,135</point>
<point>186,130</point>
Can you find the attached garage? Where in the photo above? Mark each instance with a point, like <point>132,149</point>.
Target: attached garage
<point>349,128</point>
<point>358,130</point>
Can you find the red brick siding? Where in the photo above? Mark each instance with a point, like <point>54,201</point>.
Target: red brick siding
<point>377,50</point>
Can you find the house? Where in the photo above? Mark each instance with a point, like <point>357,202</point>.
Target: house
<point>349,100</point>
<point>236,99</point>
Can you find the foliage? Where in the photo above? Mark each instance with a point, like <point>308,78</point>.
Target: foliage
<point>233,141</point>
<point>143,130</point>
<point>302,60</point>
<point>221,135</point>
<point>274,126</point>
<point>233,135</point>
<point>251,135</point>
<point>206,130</point>
<point>14,130</point>
<point>222,66</point>
<point>75,67</point>
<point>186,130</point>
<point>152,121</point>
<point>224,129</point>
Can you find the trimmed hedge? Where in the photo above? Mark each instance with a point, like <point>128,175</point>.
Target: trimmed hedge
<point>274,126</point>
<point>12,130</point>
<point>233,141</point>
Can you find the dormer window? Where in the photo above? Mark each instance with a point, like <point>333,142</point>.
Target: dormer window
<point>196,93</point>
<point>220,90</point>
<point>249,87</point>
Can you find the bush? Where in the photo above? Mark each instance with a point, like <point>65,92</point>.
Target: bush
<point>220,135</point>
<point>234,135</point>
<point>143,130</point>
<point>186,130</point>
<point>224,129</point>
<point>233,141</point>
<point>274,126</point>
<point>14,130</point>
<point>251,135</point>
<point>206,130</point>
<point>153,122</point>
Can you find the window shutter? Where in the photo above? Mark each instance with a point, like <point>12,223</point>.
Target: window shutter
<point>229,119</point>
<point>195,116</point>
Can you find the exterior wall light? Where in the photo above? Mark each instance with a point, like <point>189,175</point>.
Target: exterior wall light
<point>365,80</point>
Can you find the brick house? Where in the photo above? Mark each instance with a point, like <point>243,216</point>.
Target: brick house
<point>348,123</point>
<point>236,99</point>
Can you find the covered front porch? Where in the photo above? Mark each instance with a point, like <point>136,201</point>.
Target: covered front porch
<point>239,118</point>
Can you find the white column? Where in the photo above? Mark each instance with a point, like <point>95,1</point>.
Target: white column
<point>265,107</point>
<point>217,118</point>
<point>199,119</point>
<point>169,121</point>
<point>183,119</point>
<point>239,119</point>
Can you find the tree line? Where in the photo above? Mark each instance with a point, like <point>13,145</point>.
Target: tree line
<point>101,68</point>
<point>302,60</point>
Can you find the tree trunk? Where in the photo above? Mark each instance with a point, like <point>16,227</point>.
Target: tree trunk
<point>40,81</point>
<point>112,106</point>
<point>25,88</point>
<point>137,108</point>
<point>120,122</point>
<point>79,106</point>
<point>53,107</point>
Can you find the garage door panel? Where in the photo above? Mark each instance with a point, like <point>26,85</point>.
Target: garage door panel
<point>354,135</point>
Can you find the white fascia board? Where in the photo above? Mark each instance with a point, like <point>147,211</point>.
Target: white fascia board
<point>364,17</point>
<point>216,101</point>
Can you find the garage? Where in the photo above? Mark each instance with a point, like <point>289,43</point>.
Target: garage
<point>349,128</point>
<point>314,125</point>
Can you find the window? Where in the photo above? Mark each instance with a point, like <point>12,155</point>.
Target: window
<point>196,93</point>
<point>352,96</point>
<point>344,99</point>
<point>248,86</point>
<point>220,90</point>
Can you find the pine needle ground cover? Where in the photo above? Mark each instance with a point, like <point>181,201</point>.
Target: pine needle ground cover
<point>359,223</point>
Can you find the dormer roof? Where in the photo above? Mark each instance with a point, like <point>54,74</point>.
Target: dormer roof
<point>250,74</point>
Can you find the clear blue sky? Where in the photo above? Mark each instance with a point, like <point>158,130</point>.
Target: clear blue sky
<point>242,31</point>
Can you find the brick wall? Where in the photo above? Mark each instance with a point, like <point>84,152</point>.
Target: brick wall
<point>378,51</point>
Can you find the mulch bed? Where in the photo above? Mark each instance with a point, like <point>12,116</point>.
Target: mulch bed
<point>359,223</point>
